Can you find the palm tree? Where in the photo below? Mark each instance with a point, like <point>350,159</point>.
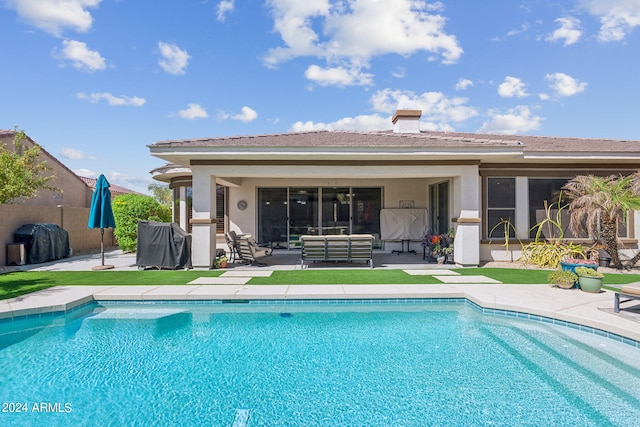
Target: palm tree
<point>598,204</point>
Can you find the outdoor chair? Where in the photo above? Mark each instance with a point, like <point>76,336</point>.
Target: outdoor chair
<point>628,292</point>
<point>230,237</point>
<point>249,251</point>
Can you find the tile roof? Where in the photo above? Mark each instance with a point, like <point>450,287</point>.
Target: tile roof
<point>116,190</point>
<point>422,140</point>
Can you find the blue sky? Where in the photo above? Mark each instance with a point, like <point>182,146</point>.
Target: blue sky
<point>96,81</point>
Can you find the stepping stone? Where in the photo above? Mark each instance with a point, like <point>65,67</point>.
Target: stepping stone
<point>431,272</point>
<point>466,279</point>
<point>220,281</point>
<point>246,273</point>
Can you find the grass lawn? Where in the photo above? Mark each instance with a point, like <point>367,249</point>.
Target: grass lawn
<point>20,283</point>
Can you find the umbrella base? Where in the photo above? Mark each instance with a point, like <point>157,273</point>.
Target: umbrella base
<point>102,267</point>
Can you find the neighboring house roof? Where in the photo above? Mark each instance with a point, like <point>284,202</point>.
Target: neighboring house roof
<point>89,182</point>
<point>50,157</point>
<point>116,190</point>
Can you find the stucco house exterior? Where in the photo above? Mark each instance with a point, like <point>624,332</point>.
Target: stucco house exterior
<point>277,187</point>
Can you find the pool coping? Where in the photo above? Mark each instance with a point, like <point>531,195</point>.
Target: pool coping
<point>593,311</point>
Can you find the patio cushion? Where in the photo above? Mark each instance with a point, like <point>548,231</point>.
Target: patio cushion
<point>632,289</point>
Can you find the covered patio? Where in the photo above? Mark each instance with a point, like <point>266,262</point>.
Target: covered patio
<point>278,187</point>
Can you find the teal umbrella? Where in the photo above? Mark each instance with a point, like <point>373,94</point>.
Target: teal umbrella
<point>101,215</point>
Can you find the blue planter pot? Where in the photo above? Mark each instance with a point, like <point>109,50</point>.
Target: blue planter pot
<point>567,266</point>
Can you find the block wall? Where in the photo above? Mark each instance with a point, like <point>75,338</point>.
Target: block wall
<point>73,220</point>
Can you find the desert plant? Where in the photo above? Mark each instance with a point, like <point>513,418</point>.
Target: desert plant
<point>507,227</point>
<point>598,204</point>
<point>588,272</point>
<point>550,251</point>
<point>562,278</point>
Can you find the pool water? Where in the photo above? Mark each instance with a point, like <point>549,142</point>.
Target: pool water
<point>311,365</point>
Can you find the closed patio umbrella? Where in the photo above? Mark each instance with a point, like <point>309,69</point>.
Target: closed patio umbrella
<point>101,215</point>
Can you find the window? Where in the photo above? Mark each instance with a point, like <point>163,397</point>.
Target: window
<point>501,206</point>
<point>547,190</point>
<point>221,211</point>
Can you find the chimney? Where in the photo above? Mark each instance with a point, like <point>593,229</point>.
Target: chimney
<point>406,121</point>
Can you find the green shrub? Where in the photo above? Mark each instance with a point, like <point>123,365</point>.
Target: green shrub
<point>128,209</point>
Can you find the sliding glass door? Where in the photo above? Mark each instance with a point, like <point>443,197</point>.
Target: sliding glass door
<point>439,202</point>
<point>272,217</point>
<point>303,213</point>
<point>284,214</point>
<point>336,204</point>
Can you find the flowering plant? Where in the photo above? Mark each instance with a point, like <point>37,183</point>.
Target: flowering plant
<point>568,260</point>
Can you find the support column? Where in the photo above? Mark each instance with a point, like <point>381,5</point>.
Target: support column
<point>522,207</point>
<point>466,246</point>
<point>183,207</point>
<point>203,223</point>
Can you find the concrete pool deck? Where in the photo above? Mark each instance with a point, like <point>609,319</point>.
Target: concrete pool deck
<point>591,310</point>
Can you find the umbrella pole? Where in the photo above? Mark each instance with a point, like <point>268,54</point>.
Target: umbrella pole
<point>102,244</point>
<point>102,266</point>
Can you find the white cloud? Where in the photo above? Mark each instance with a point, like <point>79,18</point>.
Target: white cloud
<point>173,59</point>
<point>247,115</point>
<point>438,111</point>
<point>565,85</point>
<point>569,31</point>
<point>515,120</point>
<point>337,76</point>
<point>81,56</point>
<point>617,17</point>
<point>351,34</point>
<point>512,87</point>
<point>87,173</point>
<point>137,183</point>
<point>523,29</point>
<point>73,154</point>
<point>364,123</point>
<point>463,84</point>
<point>54,16</point>
<point>224,7</point>
<point>398,72</point>
<point>112,100</point>
<point>193,112</point>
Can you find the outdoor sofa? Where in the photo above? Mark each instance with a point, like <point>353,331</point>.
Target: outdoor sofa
<point>350,247</point>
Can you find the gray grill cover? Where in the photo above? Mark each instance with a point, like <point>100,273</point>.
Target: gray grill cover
<point>43,242</point>
<point>162,245</point>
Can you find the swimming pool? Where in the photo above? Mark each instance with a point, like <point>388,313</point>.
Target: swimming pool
<point>309,364</point>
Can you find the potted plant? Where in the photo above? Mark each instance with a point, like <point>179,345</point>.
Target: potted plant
<point>563,279</point>
<point>448,253</point>
<point>590,280</point>
<point>570,264</point>
<point>221,262</point>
